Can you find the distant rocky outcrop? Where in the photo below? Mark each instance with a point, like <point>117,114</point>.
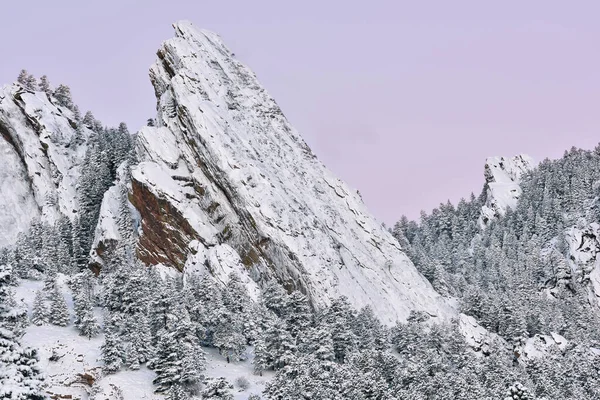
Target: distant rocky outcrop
<point>502,176</point>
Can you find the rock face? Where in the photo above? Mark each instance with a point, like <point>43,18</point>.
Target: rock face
<point>502,176</point>
<point>39,162</point>
<point>224,172</point>
<point>583,248</point>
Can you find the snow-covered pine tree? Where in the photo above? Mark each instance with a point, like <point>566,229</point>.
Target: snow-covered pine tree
<point>518,392</point>
<point>318,342</point>
<point>140,348</point>
<point>88,323</point>
<point>179,359</point>
<point>20,375</point>
<point>228,336</point>
<point>62,94</point>
<point>45,85</point>
<point>112,348</point>
<point>275,298</point>
<point>27,80</point>
<point>261,359</point>
<point>59,312</point>
<point>40,312</point>
<point>280,345</point>
<point>217,389</point>
<point>297,314</point>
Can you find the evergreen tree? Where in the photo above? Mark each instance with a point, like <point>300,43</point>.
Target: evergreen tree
<point>518,392</point>
<point>59,312</point>
<point>280,346</point>
<point>88,324</point>
<point>261,358</point>
<point>20,375</point>
<point>140,341</point>
<point>217,389</point>
<point>112,348</point>
<point>27,80</point>
<point>179,360</point>
<point>45,85</point>
<point>62,94</point>
<point>40,312</point>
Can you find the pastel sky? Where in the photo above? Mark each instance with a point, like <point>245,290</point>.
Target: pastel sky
<point>404,100</point>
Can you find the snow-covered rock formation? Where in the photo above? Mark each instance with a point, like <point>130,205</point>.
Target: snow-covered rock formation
<point>502,176</point>
<point>39,163</point>
<point>225,168</point>
<point>583,248</point>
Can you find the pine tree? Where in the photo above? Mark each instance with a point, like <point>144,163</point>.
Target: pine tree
<point>88,324</point>
<point>217,389</point>
<point>45,85</point>
<point>518,392</point>
<point>22,78</point>
<point>280,345</point>
<point>27,80</point>
<point>179,360</point>
<point>40,312</point>
<point>140,341</point>
<point>275,298</point>
<point>318,342</point>
<point>228,336</point>
<point>112,348</point>
<point>59,312</point>
<point>297,314</point>
<point>62,94</point>
<point>261,357</point>
<point>20,375</point>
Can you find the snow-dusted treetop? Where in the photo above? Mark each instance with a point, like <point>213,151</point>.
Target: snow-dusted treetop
<point>231,171</point>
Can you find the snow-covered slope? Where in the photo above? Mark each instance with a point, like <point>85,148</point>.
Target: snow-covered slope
<point>224,167</point>
<point>40,163</point>
<point>502,176</point>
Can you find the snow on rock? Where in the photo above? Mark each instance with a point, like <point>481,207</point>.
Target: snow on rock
<point>224,166</point>
<point>502,176</point>
<point>540,346</point>
<point>476,336</point>
<point>583,248</point>
<point>18,208</point>
<point>40,161</point>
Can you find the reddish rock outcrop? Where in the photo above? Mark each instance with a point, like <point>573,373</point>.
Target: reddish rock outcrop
<point>166,233</point>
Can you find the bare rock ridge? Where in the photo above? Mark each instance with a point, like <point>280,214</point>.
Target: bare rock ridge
<point>224,182</point>
<point>502,176</point>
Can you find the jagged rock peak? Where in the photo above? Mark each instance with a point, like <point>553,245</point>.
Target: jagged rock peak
<point>225,183</point>
<point>503,176</point>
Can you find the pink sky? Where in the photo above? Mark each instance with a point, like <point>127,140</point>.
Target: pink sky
<point>402,99</point>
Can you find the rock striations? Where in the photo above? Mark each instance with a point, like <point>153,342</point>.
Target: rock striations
<point>225,170</point>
